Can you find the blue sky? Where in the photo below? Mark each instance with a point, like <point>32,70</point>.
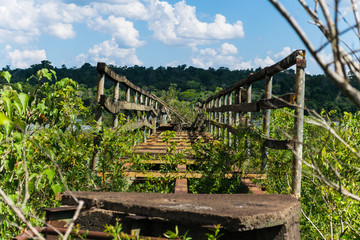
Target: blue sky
<point>237,34</point>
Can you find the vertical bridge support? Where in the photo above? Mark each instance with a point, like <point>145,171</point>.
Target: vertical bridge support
<point>298,125</point>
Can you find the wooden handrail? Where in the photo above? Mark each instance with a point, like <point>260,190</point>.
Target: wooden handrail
<point>223,111</point>
<point>260,75</point>
<point>102,68</point>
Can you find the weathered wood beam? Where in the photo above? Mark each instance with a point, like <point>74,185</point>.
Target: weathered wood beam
<point>269,142</point>
<point>136,125</point>
<point>267,71</point>
<point>223,126</point>
<point>110,74</point>
<point>287,100</point>
<point>102,68</point>
<point>116,107</point>
<point>279,144</point>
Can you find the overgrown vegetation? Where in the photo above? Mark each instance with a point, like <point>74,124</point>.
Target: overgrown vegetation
<point>46,146</point>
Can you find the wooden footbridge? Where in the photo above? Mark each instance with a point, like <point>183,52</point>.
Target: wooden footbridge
<point>222,116</point>
<point>166,132</point>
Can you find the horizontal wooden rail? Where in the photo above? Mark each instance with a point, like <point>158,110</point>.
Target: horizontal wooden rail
<point>136,125</point>
<point>287,100</point>
<point>102,68</point>
<point>116,107</point>
<point>267,71</point>
<point>269,142</point>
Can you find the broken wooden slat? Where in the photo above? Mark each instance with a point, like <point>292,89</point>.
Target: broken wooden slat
<point>116,107</point>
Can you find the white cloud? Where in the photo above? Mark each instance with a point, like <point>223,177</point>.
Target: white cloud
<point>228,49</point>
<point>61,30</point>
<point>286,51</point>
<point>263,62</point>
<point>130,9</point>
<point>178,25</point>
<point>24,21</point>
<point>224,56</point>
<point>24,58</point>
<point>227,56</point>
<point>121,29</point>
<point>109,52</point>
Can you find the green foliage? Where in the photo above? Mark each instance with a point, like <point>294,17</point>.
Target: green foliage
<point>216,233</point>
<point>46,146</point>
<point>175,235</point>
<point>214,160</point>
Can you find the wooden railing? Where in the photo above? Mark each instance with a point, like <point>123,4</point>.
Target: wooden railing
<point>225,111</point>
<point>148,109</point>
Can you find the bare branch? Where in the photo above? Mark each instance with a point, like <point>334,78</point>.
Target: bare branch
<point>307,218</point>
<point>356,15</point>
<point>76,215</point>
<point>337,76</point>
<point>19,214</point>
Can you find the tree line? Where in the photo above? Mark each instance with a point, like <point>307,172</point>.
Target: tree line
<point>190,84</point>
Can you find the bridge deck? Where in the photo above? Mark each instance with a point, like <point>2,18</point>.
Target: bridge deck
<point>242,216</point>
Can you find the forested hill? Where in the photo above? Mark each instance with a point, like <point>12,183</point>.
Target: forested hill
<point>195,84</point>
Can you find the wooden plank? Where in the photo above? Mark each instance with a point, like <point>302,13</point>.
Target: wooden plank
<point>241,107</point>
<point>189,175</point>
<point>267,71</point>
<point>136,125</point>
<point>181,186</point>
<point>279,144</point>
<point>287,100</point>
<point>162,175</point>
<point>221,125</point>
<point>158,161</point>
<point>116,107</point>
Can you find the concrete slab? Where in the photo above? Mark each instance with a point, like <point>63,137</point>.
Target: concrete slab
<point>235,212</point>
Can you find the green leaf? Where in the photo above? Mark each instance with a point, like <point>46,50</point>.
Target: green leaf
<point>2,217</point>
<point>4,119</point>
<point>8,106</point>
<point>6,75</point>
<point>8,127</point>
<point>20,124</point>
<point>24,99</point>
<point>50,173</point>
<point>54,73</point>
<point>57,188</point>
<point>44,73</point>
<point>19,86</point>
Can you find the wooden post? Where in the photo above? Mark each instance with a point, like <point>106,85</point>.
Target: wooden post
<point>248,123</point>
<point>128,99</point>
<point>298,125</point>
<point>116,98</point>
<point>230,117</point>
<point>220,118</point>
<point>98,117</point>
<point>226,118</point>
<point>212,116</point>
<point>237,115</point>
<point>208,116</point>
<point>136,101</point>
<point>266,120</point>
<point>216,117</point>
